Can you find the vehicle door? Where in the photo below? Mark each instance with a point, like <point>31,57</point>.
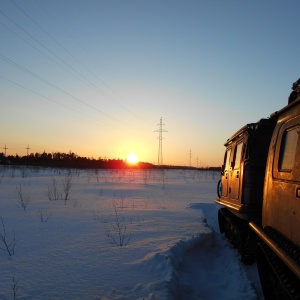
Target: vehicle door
<point>225,172</point>
<point>235,171</point>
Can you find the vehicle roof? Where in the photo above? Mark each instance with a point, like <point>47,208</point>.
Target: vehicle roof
<point>287,107</point>
<point>253,126</point>
<point>240,132</point>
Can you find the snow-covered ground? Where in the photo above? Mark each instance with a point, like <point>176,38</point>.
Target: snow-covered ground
<point>119,235</point>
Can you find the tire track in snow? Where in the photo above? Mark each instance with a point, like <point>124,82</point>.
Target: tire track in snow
<point>213,268</point>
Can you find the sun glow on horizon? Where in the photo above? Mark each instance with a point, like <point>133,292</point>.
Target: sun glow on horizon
<point>132,158</point>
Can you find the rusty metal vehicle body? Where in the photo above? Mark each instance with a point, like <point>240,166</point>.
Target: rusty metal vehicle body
<point>259,190</point>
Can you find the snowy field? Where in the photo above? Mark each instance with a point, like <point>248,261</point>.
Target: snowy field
<point>88,234</point>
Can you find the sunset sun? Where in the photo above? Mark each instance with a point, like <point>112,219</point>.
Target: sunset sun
<point>132,158</point>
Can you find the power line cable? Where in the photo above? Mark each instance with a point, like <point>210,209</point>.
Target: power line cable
<point>41,78</point>
<point>93,58</point>
<point>59,89</point>
<point>55,55</point>
<point>83,65</point>
<point>47,98</point>
<point>59,103</point>
<point>55,87</point>
<point>37,49</point>
<point>40,51</point>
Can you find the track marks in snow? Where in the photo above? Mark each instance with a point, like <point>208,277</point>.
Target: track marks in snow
<point>212,269</point>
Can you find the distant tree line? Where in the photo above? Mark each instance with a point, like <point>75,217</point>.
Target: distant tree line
<point>72,160</point>
<point>170,167</point>
<point>68,160</point>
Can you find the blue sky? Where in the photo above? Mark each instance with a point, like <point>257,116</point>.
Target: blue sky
<point>95,77</point>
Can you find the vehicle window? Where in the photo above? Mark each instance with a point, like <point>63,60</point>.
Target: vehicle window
<point>288,149</point>
<point>227,159</point>
<point>238,155</point>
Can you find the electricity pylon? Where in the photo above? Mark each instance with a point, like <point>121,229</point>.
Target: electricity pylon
<point>27,149</point>
<point>5,148</point>
<point>160,137</point>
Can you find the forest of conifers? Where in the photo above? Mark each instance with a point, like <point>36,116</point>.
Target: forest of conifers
<point>72,160</point>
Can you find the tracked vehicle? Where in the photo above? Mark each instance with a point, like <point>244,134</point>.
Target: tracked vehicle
<point>259,192</point>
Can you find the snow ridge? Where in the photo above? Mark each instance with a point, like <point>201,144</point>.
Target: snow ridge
<point>168,263</point>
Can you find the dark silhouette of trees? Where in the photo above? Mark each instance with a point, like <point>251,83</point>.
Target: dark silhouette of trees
<point>68,160</point>
<point>72,160</point>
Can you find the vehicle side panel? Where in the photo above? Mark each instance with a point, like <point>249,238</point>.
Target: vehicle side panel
<point>232,172</point>
<point>281,203</point>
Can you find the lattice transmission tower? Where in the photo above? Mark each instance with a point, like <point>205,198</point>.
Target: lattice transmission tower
<point>5,148</point>
<point>160,131</point>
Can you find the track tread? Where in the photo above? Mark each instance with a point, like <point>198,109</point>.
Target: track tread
<point>277,281</point>
<point>237,232</point>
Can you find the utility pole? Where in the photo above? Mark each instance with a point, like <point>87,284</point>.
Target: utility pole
<point>160,137</point>
<point>27,149</point>
<point>5,148</point>
<point>190,157</point>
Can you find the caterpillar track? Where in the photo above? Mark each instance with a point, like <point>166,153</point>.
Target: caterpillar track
<point>237,231</point>
<point>277,281</point>
<point>283,243</point>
